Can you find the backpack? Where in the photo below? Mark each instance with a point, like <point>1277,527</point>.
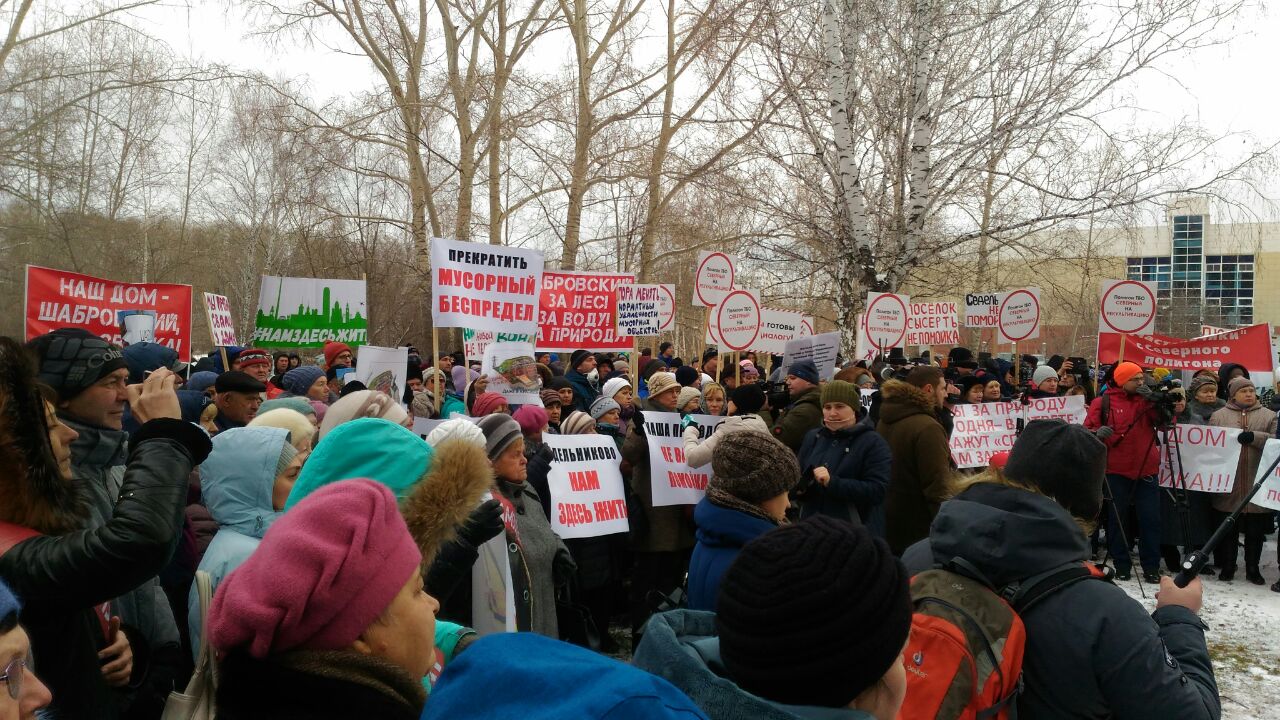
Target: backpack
<point>964,656</point>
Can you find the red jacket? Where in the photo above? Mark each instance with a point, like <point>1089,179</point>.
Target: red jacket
<point>1131,450</point>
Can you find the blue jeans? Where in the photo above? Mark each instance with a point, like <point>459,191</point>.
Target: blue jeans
<point>1144,495</point>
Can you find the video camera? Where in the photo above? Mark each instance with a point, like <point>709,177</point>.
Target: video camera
<point>777,394</point>
<point>1162,395</point>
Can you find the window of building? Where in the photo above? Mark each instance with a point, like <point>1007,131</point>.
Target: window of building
<point>1228,292</point>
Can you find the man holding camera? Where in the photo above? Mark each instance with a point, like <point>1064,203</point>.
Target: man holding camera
<point>1125,420</point>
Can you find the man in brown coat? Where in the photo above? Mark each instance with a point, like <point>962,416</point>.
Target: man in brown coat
<point>917,482</point>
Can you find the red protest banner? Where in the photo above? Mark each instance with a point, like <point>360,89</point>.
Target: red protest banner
<point>57,299</point>
<point>576,310</point>
<point>1250,347</point>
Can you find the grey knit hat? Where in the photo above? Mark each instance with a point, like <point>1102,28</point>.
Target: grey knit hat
<point>500,430</point>
<point>753,466</point>
<point>602,406</point>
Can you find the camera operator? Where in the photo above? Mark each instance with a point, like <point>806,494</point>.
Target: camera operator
<point>1125,419</point>
<point>804,412</point>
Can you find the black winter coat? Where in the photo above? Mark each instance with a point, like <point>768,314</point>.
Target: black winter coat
<point>859,462</point>
<point>1092,651</point>
<point>63,578</point>
<point>315,685</point>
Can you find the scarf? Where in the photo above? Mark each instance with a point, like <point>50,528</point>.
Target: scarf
<point>721,497</point>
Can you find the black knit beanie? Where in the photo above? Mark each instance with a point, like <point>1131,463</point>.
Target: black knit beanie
<point>1064,461</point>
<point>813,613</point>
<point>747,398</point>
<point>577,357</point>
<point>73,359</point>
<point>753,466</point>
<point>686,376</point>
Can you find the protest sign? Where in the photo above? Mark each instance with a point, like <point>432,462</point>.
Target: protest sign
<point>136,326</point>
<point>484,287</point>
<point>512,372</point>
<point>305,312</point>
<point>667,308</point>
<point>58,299</point>
<point>576,310</point>
<point>885,320</point>
<point>222,328</point>
<point>1127,306</point>
<point>778,327</point>
<point>982,430</point>
<point>493,602</point>
<point>475,341</point>
<point>1208,457</point>
<point>639,309</point>
<point>1250,347</point>
<point>1269,495</point>
<point>587,499</point>
<point>1207,330</point>
<point>1018,318</point>
<point>982,310</point>
<point>384,369</point>
<point>932,323</point>
<point>863,348</point>
<point>713,278</point>
<point>1068,409</point>
<point>868,396</point>
<point>674,482</point>
<point>738,320</point>
<point>821,349</point>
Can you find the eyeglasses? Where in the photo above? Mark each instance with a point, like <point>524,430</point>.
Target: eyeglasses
<point>12,676</point>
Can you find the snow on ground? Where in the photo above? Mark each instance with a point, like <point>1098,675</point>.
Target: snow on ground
<point>1243,637</point>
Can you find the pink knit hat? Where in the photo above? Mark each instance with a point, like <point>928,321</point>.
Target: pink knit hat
<point>531,419</point>
<point>487,403</point>
<point>324,572</point>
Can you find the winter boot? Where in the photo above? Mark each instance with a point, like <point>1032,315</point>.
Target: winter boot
<point>1254,576</point>
<point>1227,574</point>
<point>1151,577</point>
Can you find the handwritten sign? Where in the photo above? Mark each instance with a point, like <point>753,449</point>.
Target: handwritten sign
<point>674,482</point>
<point>932,323</point>
<point>1209,456</point>
<point>221,327</point>
<point>980,431</point>
<point>1068,409</point>
<point>639,309</point>
<point>587,499</point>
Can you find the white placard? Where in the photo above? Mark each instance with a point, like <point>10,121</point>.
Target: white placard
<point>1269,495</point>
<point>485,287</point>
<point>982,430</point>
<point>493,599</point>
<point>512,372</point>
<point>639,309</point>
<point>222,328</point>
<point>1068,409</point>
<point>885,320</point>
<point>738,319</point>
<point>982,310</point>
<point>1209,457</point>
<point>673,481</point>
<point>1127,306</point>
<point>821,349</point>
<point>587,498</point>
<point>932,323</point>
<point>383,369</point>
<point>667,307</point>
<point>713,278</point>
<point>778,327</point>
<point>1019,316</point>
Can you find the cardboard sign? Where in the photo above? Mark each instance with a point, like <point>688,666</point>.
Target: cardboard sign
<point>512,373</point>
<point>982,310</point>
<point>1209,458</point>
<point>475,341</point>
<point>982,430</point>
<point>1069,409</point>
<point>58,299</point>
<point>384,369</point>
<point>587,499</point>
<point>713,278</point>
<point>485,287</point>
<point>1250,347</point>
<point>1128,307</point>
<point>885,320</point>
<point>673,481</point>
<point>576,311</point>
<point>1018,318</point>
<point>779,327</point>
<point>738,319</point>
<point>1269,495</point>
<point>305,312</point>
<point>222,329</point>
<point>639,309</point>
<point>932,323</point>
<point>821,349</point>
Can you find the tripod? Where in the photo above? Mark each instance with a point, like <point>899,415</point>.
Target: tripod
<point>1171,438</point>
<point>1195,562</point>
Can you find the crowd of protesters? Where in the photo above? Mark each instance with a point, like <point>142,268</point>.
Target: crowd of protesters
<point>274,519</point>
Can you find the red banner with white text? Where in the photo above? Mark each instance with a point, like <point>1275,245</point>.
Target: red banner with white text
<point>58,299</point>
<point>1250,347</point>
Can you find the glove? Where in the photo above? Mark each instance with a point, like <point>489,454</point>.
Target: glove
<point>1245,437</point>
<point>483,524</point>
<point>637,421</point>
<point>1104,432</point>
<point>687,423</point>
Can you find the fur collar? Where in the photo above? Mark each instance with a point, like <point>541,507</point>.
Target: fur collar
<point>440,503</point>
<point>899,392</point>
<point>35,494</point>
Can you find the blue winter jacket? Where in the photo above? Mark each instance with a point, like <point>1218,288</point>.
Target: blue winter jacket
<point>859,461</point>
<point>682,646</point>
<point>721,534</point>
<point>583,393</point>
<point>236,481</point>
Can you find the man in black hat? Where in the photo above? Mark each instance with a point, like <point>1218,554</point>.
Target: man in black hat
<point>711,362</point>
<point>805,411</point>
<point>238,398</point>
<point>581,363</point>
<point>961,358</point>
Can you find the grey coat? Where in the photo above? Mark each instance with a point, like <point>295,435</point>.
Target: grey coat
<point>548,560</point>
<point>1092,651</point>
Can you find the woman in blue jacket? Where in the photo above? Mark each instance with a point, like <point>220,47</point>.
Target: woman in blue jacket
<point>747,497</point>
<point>844,465</point>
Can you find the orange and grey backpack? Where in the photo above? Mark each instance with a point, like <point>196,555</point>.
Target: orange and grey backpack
<point>964,657</point>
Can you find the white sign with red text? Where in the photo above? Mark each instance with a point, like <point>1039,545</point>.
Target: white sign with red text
<point>885,320</point>
<point>713,278</point>
<point>1128,307</point>
<point>587,499</point>
<point>673,481</point>
<point>221,327</point>
<point>1208,455</point>
<point>982,430</point>
<point>932,323</point>
<point>1019,316</point>
<point>1068,409</point>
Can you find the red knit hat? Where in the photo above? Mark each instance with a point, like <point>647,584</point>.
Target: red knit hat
<point>332,350</point>
<point>323,573</point>
<point>253,356</point>
<point>487,403</point>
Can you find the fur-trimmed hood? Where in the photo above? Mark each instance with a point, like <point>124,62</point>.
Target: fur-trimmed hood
<point>900,400</point>
<point>440,503</point>
<point>35,493</point>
